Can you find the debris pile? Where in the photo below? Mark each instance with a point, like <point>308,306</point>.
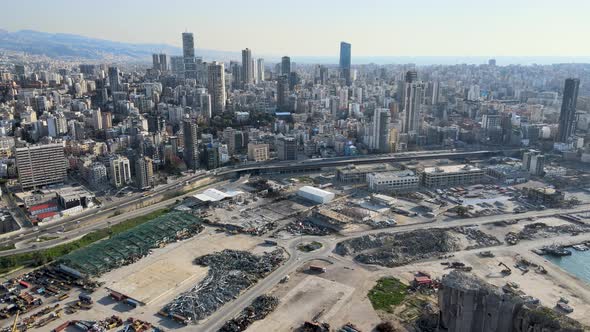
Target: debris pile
<point>259,309</point>
<point>307,227</point>
<point>230,272</point>
<point>481,239</point>
<point>314,327</point>
<point>398,249</point>
<point>349,327</point>
<point>542,230</point>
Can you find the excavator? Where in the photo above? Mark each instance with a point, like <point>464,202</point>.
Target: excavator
<point>14,329</point>
<point>507,271</point>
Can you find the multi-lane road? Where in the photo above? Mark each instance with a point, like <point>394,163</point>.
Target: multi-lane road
<point>90,220</point>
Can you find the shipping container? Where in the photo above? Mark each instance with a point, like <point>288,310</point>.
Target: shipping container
<point>117,296</point>
<point>24,284</point>
<point>317,268</point>
<point>132,303</point>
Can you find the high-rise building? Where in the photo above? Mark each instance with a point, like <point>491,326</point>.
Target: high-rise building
<point>216,86</point>
<point>567,117</point>
<point>259,70</point>
<point>155,61</point>
<point>41,165</point>
<point>188,54</point>
<point>97,119</point>
<point>492,62</point>
<point>379,141</point>
<point>144,172</point>
<point>286,148</point>
<point>285,65</point>
<point>345,56</point>
<point>163,61</point>
<point>177,65</point>
<point>236,74</point>
<point>283,92</point>
<point>114,79</point>
<point>191,143</point>
<point>119,171</point>
<point>247,70</point>
<point>413,99</point>
<point>537,166</point>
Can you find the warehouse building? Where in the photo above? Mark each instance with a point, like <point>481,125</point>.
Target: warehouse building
<point>451,175</point>
<point>315,195</point>
<point>508,174</point>
<point>358,173</point>
<point>394,182</point>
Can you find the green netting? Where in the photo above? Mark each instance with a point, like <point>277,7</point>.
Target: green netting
<point>126,247</point>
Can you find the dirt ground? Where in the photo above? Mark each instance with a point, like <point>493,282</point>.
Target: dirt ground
<point>158,278</point>
<point>337,297</point>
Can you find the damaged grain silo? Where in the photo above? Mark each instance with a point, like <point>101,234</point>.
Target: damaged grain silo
<point>468,303</point>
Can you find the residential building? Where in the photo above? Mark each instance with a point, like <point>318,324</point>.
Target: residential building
<point>257,151</point>
<point>120,171</point>
<point>41,165</point>
<point>286,148</point>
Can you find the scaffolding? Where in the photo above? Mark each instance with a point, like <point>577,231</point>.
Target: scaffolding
<point>129,246</point>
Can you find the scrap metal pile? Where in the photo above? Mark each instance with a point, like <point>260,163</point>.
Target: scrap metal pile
<point>307,227</point>
<point>129,246</point>
<point>481,239</point>
<point>230,272</point>
<point>539,229</point>
<point>259,309</point>
<point>396,249</point>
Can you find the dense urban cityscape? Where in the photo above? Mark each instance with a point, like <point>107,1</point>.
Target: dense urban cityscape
<point>272,194</point>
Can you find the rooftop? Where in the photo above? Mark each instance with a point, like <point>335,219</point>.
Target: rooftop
<point>451,169</point>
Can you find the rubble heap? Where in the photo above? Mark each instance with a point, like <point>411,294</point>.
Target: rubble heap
<point>468,303</point>
<point>230,272</point>
<point>539,229</point>
<point>259,309</point>
<point>308,228</point>
<point>481,239</point>
<point>398,249</point>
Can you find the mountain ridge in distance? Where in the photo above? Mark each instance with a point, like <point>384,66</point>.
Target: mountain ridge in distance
<point>66,45</point>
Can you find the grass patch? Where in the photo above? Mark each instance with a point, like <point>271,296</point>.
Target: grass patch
<point>7,247</point>
<point>309,247</point>
<point>47,238</point>
<point>388,292</point>
<point>40,257</point>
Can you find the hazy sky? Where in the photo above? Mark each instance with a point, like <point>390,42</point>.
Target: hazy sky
<point>315,27</point>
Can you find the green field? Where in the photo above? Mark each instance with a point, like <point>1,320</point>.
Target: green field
<point>40,257</point>
<point>388,292</point>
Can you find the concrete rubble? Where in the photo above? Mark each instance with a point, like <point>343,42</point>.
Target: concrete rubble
<point>259,309</point>
<point>398,249</point>
<point>230,272</point>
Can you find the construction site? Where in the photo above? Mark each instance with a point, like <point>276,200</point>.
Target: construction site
<point>303,254</point>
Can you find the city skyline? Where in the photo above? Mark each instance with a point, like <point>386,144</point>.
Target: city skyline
<point>387,28</point>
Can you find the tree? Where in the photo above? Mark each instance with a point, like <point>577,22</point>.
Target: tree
<point>385,327</point>
<point>461,210</point>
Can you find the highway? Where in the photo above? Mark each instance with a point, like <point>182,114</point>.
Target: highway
<point>297,258</point>
<point>91,215</point>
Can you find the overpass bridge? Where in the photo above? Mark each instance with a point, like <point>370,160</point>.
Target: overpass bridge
<point>319,163</point>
